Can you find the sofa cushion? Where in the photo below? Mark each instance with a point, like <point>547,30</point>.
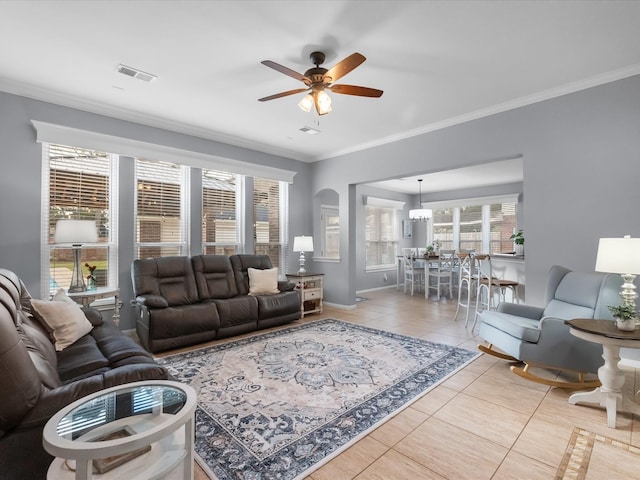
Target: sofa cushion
<point>263,282</point>
<point>81,359</point>
<point>168,277</point>
<point>214,276</point>
<point>237,310</point>
<point>241,263</point>
<point>66,321</point>
<point>523,328</point>
<point>41,352</point>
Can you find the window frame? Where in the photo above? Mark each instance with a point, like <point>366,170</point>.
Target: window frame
<point>387,234</point>
<point>183,245</point>
<point>240,186</point>
<point>112,213</point>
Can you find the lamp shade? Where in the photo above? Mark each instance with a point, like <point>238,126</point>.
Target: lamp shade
<point>303,244</point>
<point>420,213</point>
<point>619,255</point>
<point>76,232</point>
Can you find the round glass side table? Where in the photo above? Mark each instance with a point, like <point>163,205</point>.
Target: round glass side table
<point>136,430</point>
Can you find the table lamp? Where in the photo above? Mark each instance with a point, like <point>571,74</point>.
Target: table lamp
<point>302,244</point>
<point>76,232</point>
<point>622,256</point>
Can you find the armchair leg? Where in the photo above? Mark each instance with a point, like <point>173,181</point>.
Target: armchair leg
<point>489,349</point>
<point>579,385</point>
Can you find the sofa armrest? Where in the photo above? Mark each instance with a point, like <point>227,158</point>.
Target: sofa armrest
<point>51,401</point>
<point>286,285</point>
<point>93,315</point>
<point>520,310</point>
<point>152,301</point>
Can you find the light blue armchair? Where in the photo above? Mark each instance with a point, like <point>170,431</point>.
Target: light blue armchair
<point>539,337</point>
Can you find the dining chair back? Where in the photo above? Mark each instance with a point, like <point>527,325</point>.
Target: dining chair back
<point>466,283</point>
<point>414,273</point>
<point>441,271</point>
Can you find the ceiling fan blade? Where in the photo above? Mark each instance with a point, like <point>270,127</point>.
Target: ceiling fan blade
<point>283,94</point>
<point>286,71</point>
<point>355,90</point>
<point>340,69</point>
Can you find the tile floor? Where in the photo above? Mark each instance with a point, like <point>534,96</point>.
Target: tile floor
<point>483,422</point>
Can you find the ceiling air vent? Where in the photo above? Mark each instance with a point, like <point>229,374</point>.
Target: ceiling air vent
<point>135,73</point>
<point>310,130</point>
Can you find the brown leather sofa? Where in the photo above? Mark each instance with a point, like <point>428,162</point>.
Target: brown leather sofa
<point>182,301</point>
<point>36,381</point>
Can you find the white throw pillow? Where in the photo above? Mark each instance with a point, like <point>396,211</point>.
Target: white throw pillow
<point>65,319</point>
<point>61,296</point>
<point>263,282</point>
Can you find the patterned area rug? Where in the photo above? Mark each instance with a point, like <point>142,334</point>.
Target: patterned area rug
<point>590,456</point>
<point>280,404</point>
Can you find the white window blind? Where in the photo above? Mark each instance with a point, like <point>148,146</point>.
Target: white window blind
<point>79,184</point>
<point>270,213</point>
<point>381,237</point>
<point>161,209</point>
<point>222,213</point>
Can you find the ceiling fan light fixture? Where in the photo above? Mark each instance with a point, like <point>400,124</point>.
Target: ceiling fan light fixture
<point>306,103</point>
<point>323,102</point>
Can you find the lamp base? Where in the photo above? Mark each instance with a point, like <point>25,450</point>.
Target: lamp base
<point>77,280</point>
<point>301,270</point>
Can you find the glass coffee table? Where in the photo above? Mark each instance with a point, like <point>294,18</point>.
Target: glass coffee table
<point>136,430</point>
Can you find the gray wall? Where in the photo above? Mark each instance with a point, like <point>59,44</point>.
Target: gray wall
<point>20,185</point>
<point>581,157</point>
<point>581,174</point>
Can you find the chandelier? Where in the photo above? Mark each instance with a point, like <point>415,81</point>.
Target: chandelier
<point>420,214</point>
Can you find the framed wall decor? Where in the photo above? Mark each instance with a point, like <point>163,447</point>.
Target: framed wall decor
<point>407,229</point>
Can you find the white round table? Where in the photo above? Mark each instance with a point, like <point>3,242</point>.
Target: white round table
<point>609,395</point>
<point>145,428</point>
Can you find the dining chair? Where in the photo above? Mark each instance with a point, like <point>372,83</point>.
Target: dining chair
<point>411,252</point>
<point>488,286</point>
<point>466,282</point>
<point>414,274</point>
<point>442,273</point>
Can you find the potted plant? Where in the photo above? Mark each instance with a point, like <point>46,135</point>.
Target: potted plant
<point>625,316</point>
<point>518,240</point>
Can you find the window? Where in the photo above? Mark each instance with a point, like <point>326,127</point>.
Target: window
<point>381,237</point>
<point>79,184</point>
<point>161,209</point>
<point>222,213</point>
<point>502,225</point>
<point>471,228</point>
<point>483,224</point>
<point>330,232</point>
<point>443,228</point>
<point>270,210</point>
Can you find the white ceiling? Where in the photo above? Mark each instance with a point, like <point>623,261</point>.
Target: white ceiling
<point>439,63</point>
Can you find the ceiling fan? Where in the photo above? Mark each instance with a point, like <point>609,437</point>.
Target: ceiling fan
<point>319,79</point>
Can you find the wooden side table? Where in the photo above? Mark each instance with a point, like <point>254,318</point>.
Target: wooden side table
<point>311,291</point>
<point>88,297</point>
<point>609,395</point>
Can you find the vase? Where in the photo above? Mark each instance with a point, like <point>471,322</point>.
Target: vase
<point>92,284</point>
<point>628,325</point>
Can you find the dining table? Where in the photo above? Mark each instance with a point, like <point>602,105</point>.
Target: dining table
<point>418,261</point>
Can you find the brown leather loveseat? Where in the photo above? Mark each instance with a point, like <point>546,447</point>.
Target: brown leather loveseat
<point>182,301</point>
<point>37,380</point>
